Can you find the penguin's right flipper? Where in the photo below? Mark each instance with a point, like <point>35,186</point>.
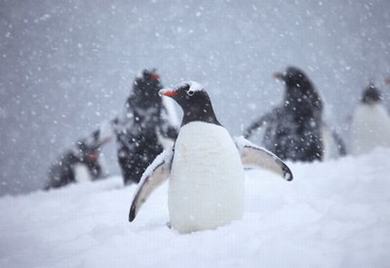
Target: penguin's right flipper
<point>253,156</point>
<point>157,173</point>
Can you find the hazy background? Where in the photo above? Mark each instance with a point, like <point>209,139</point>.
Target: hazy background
<point>66,66</point>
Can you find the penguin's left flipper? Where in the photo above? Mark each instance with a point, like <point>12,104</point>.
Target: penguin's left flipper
<point>157,173</point>
<point>253,156</point>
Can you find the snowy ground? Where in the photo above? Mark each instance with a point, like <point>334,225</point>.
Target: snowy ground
<point>334,214</point>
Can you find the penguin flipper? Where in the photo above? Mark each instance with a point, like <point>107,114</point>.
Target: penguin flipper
<point>253,156</point>
<point>157,173</point>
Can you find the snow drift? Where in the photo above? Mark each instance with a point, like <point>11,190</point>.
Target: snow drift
<point>334,214</point>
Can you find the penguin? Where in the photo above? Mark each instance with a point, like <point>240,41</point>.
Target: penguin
<point>80,163</point>
<point>144,129</point>
<point>293,129</point>
<point>205,167</point>
<point>370,126</point>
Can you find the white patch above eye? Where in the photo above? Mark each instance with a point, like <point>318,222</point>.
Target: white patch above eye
<point>190,92</point>
<point>194,86</point>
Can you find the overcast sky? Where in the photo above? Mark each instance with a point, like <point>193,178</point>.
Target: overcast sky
<point>66,66</point>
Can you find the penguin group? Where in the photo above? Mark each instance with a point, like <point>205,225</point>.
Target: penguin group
<point>295,130</point>
<point>145,126</point>
<point>202,162</point>
<point>205,167</point>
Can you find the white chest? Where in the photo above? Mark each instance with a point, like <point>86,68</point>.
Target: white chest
<point>370,128</point>
<point>82,173</point>
<point>206,187</point>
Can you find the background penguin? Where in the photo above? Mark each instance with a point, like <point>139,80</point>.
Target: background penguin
<point>141,127</point>
<point>293,129</point>
<point>80,163</point>
<point>370,126</point>
<point>206,186</point>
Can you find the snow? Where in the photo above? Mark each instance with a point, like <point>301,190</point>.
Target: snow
<point>334,214</point>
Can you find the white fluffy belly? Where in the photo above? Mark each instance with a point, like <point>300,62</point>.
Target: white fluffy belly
<point>206,188</point>
<point>370,128</point>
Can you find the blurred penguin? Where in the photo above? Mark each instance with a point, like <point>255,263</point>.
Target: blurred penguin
<point>293,130</point>
<point>144,128</point>
<point>79,163</point>
<point>370,127</point>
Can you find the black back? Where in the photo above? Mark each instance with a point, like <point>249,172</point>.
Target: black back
<point>301,98</point>
<point>138,130</point>
<point>293,130</point>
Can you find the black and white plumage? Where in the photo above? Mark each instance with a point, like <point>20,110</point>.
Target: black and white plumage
<point>205,167</point>
<point>370,127</point>
<point>254,156</point>
<point>83,157</point>
<point>143,126</point>
<point>293,129</point>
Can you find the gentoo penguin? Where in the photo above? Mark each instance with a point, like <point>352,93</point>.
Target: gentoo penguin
<point>370,126</point>
<point>143,128</point>
<point>293,129</point>
<point>81,162</point>
<point>205,167</point>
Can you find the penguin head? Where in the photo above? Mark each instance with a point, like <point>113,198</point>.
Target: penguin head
<point>87,152</point>
<point>293,77</point>
<point>150,75</point>
<point>300,92</point>
<point>194,100</point>
<point>146,87</point>
<point>371,95</point>
<point>188,94</point>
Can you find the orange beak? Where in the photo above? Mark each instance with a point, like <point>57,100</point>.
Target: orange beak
<point>168,92</point>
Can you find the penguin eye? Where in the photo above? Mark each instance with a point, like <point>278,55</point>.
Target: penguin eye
<point>190,92</point>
